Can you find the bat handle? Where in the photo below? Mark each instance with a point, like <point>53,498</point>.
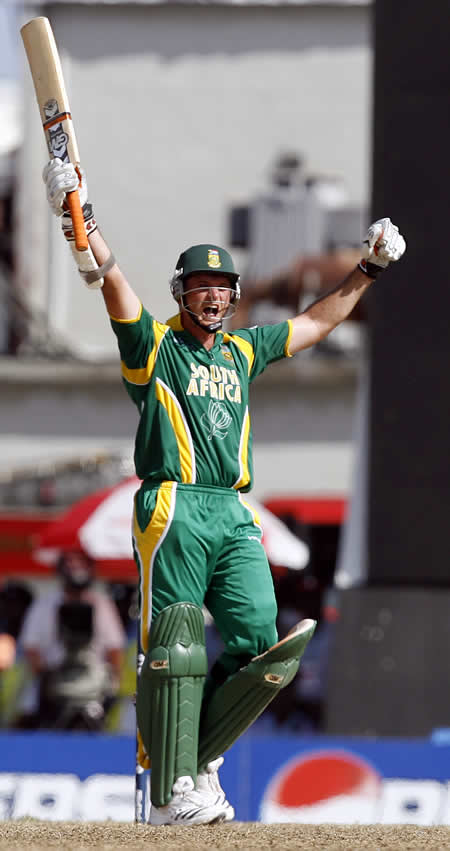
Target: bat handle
<point>76,214</point>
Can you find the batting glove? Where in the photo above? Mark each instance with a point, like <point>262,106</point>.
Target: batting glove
<point>383,244</point>
<point>60,178</point>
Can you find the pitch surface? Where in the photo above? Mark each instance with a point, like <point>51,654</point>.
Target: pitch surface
<point>77,836</point>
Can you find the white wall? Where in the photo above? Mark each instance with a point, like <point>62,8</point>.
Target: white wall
<point>180,110</point>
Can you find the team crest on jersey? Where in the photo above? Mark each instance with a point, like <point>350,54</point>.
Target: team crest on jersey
<point>214,258</point>
<point>227,354</point>
<point>216,420</point>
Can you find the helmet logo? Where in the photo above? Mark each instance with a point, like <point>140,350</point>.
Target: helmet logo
<point>213,259</point>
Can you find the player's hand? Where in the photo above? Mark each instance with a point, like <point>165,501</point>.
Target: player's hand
<point>61,178</point>
<point>383,244</point>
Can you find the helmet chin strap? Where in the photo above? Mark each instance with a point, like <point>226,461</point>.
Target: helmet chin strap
<point>210,328</point>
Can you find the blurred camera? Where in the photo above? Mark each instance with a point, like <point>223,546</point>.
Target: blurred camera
<point>75,625</point>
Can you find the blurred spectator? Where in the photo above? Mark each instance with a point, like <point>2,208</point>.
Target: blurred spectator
<point>15,598</point>
<point>73,640</point>
<point>7,651</point>
<point>125,596</point>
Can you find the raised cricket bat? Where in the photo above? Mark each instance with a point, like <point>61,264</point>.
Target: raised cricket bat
<point>54,108</point>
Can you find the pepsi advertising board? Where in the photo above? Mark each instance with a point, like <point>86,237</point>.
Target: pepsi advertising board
<point>349,781</point>
<point>312,780</point>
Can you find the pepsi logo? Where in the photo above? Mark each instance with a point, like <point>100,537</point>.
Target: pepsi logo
<point>324,786</point>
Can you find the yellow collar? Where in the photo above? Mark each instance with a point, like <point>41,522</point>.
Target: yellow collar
<point>175,322</point>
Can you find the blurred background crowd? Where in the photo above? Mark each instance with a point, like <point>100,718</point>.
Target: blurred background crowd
<point>68,641</point>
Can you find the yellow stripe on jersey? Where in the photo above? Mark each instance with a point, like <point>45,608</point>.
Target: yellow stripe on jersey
<point>244,472</point>
<point>182,434</point>
<point>245,347</point>
<point>142,375</point>
<point>127,321</point>
<point>289,337</point>
<point>147,545</point>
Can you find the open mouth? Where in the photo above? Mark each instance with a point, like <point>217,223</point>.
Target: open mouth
<point>211,312</point>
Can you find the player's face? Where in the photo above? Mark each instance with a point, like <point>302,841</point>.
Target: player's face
<point>208,296</point>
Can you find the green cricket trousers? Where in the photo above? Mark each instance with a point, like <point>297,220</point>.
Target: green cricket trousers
<point>202,545</point>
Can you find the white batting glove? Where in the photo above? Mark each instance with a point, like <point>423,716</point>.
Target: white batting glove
<point>60,178</point>
<point>383,244</point>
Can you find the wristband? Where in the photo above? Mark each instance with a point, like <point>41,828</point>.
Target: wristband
<point>89,222</point>
<point>370,269</point>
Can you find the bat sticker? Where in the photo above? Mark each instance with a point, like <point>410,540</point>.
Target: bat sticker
<point>57,139</point>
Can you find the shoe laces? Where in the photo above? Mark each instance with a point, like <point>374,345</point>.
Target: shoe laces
<point>212,777</point>
<point>214,766</point>
<point>183,785</point>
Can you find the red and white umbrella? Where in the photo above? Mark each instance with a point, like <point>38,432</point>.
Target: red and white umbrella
<point>100,525</point>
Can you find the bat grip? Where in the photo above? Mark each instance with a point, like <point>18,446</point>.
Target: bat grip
<point>76,214</point>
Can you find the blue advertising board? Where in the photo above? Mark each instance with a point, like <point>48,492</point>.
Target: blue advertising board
<point>309,779</point>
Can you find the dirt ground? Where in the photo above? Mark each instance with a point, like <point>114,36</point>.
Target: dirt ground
<point>110,836</point>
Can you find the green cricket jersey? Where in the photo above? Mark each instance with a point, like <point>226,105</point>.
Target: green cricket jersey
<point>194,420</point>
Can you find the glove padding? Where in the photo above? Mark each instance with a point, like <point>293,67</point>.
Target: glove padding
<point>383,244</point>
<point>60,178</point>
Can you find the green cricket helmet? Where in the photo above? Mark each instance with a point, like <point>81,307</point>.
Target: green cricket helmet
<point>204,258</point>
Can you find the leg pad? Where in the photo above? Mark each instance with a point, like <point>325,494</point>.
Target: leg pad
<point>169,696</point>
<point>236,704</point>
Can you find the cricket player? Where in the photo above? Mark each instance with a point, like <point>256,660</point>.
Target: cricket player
<point>196,541</point>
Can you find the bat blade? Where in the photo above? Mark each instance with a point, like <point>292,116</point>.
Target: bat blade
<point>46,71</point>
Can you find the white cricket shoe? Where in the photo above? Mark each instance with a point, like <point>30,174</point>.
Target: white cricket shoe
<point>188,806</point>
<point>208,785</point>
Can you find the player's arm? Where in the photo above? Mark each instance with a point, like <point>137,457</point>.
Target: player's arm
<point>382,245</point>
<point>120,299</point>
